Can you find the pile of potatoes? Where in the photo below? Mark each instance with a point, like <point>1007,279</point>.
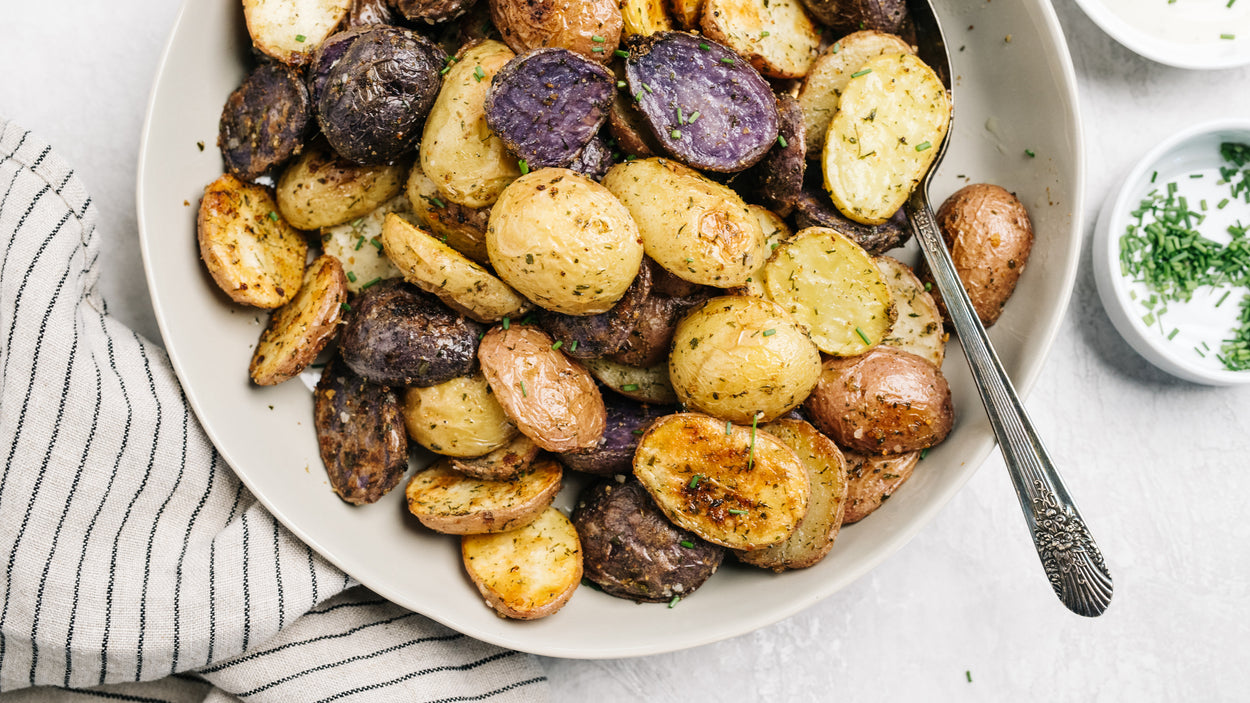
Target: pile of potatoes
<point>497,227</point>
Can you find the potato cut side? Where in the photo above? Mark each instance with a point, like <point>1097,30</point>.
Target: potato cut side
<point>891,119</point>
<point>643,17</point>
<point>299,330</point>
<point>461,283</point>
<point>776,233</point>
<point>459,418</point>
<point>357,245</point>
<point>647,385</point>
<point>527,573</point>
<point>776,36</point>
<point>872,479</point>
<point>291,30</point>
<point>735,486</point>
<point>251,252</point>
<point>460,227</point>
<point>830,285</point>
<point>826,473</point>
<point>320,189</point>
<point>502,464</point>
<point>827,78</point>
<point>446,500</point>
<point>918,326</point>
<point>687,13</point>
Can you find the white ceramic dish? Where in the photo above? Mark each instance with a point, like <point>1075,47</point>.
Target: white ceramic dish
<point>1009,96</point>
<point>1184,33</point>
<point>1196,150</point>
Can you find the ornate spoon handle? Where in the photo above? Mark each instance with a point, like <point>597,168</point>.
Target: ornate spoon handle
<point>1069,556</point>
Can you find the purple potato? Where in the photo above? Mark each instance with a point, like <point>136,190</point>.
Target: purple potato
<point>547,104</point>
<point>631,550</point>
<point>813,208</point>
<point>396,335</point>
<point>627,420</point>
<point>376,96</point>
<point>327,57</point>
<point>594,160</point>
<point>593,336</point>
<point>264,121</point>
<point>677,76</point>
<point>367,12</point>
<point>778,178</point>
<point>430,11</point>
<point>360,433</point>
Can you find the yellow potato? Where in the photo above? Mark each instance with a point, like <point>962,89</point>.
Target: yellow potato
<point>527,573</point>
<point>320,189</point>
<point>459,418</point>
<point>775,36</point>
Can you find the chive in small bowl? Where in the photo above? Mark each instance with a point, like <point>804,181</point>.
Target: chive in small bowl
<point>1172,254</point>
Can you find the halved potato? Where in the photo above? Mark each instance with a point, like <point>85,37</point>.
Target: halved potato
<point>447,501</point>
<point>872,479</point>
<point>357,245</point>
<point>891,119</point>
<point>775,36</point>
<point>291,30</point>
<point>687,13</point>
<point>643,17</point>
<point>826,473</point>
<point>647,385</point>
<point>830,285</point>
<point>827,78</point>
<point>320,189</point>
<point>460,227</point>
<point>776,233</point>
<point>527,573</point>
<point>299,330</point>
<point>918,325</point>
<point>436,268</point>
<point>459,418</point>
<point>735,486</point>
<point>253,254</point>
<point>503,463</point>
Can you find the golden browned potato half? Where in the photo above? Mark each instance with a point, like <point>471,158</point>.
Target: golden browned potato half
<point>291,30</point>
<point>503,463</point>
<point>527,573</point>
<point>918,326</point>
<point>468,163</point>
<point>589,27</point>
<point>989,235</point>
<point>741,358</point>
<point>459,418</point>
<point>549,397</point>
<point>564,241</point>
<point>253,254</point>
<point>775,36</point>
<point>299,330</point>
<point>697,229</point>
<point>885,401</point>
<point>460,227</point>
<point>447,501</point>
<point>735,486</point>
<point>872,479</point>
<point>643,17</point>
<point>320,189</point>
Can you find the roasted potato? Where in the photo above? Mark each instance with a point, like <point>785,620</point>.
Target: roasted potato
<point>357,244</point>
<point>627,125</point>
<point>360,432</point>
<point>918,326</point>
<point>396,335</point>
<point>320,189</point>
<point>552,400</point>
<point>299,330</point>
<point>778,178</point>
<point>813,208</point>
<point>826,474</point>
<point>849,15</point>
<point>469,164</point>
<point>529,572</point>
<point>595,159</point>
<point>291,31</point>
<point>503,463</point>
<point>589,337</point>
<point>645,385</point>
<point>885,401</point>
<point>265,121</point>
<point>742,359</point>
<point>614,454</point>
<point>735,486</point>
<point>564,241</point>
<point>891,118</point>
<point>648,343</point>
<point>872,479</point>
<point>687,13</point>
<point>458,418</point>
<point>697,229</point>
<point>447,501</point>
<point>776,36</point>
<point>827,78</point>
<point>644,17</point>
<point>460,227</point>
<point>831,286</point>
<point>366,12</point>
<point>430,11</point>
<point>434,267</point>
<point>592,28</point>
<point>253,254</point>
<point>989,235</point>
<point>631,550</point>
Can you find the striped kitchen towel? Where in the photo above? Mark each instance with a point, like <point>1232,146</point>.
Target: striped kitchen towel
<point>129,552</point>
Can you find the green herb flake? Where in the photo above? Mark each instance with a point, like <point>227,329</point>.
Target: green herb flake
<point>675,134</point>
<point>727,60</point>
<point>673,603</point>
<point>573,345</point>
<point>863,336</point>
<point>704,46</point>
<point>863,72</point>
<point>507,322</point>
<point>687,544</point>
<point>1030,153</point>
<point>620,84</point>
<point>351,276</point>
<point>629,387</point>
<point>622,53</point>
<point>597,39</point>
<point>1228,36</point>
<point>372,283</point>
<point>345,307</point>
<point>693,116</point>
<point>837,46</point>
<point>523,393</point>
<point>478,73</point>
<point>924,452</point>
<point>782,141</point>
<point>769,332</point>
<point>736,511</point>
<point>694,480</point>
<point>524,166</point>
<point>597,50</point>
<point>558,344</point>
<point>923,146</point>
<point>273,215</point>
<point>301,38</point>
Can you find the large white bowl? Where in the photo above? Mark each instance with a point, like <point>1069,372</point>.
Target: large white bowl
<point>1009,97</point>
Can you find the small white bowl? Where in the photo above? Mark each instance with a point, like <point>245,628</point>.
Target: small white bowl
<point>1185,34</point>
<point>1200,320</point>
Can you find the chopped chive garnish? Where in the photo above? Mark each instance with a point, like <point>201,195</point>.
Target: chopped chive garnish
<point>597,39</point>
<point>727,60</point>
<point>837,46</point>
<point>1228,36</point>
<point>351,276</point>
<point>506,322</point>
<point>1221,204</point>
<point>680,119</point>
<point>782,141</point>
<point>686,543</point>
<point>597,49</point>
<point>523,393</point>
<point>693,116</point>
<point>620,84</point>
<point>672,603</point>
<point>437,203</point>
<point>675,134</point>
<point>558,344</point>
<point>273,215</point>
<point>864,72</point>
<point>863,336</point>
<point>525,167</point>
<point>735,511</point>
<point>728,427</point>
<point>647,88</point>
<point>478,73</point>
<point>924,452</point>
<point>621,53</point>
<point>763,34</point>
<point>694,480</point>
<point>704,46</point>
<point>443,71</point>
<point>573,345</point>
<point>923,146</point>
<point>769,332</point>
<point>301,38</point>
<point>345,307</point>
<point>360,243</point>
<point>1030,153</point>
<point>372,283</point>
<point>1173,333</point>
<point>629,387</point>
<point>751,455</point>
<point>1153,176</point>
<point>1223,298</point>
<point>377,244</point>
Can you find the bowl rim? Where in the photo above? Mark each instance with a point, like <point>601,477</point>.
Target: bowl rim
<point>1113,286</point>
<point>1153,48</point>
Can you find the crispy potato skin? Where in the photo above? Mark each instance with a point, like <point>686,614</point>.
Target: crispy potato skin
<point>631,550</point>
<point>872,479</point>
<point>254,255</point>
<point>299,330</point>
<point>627,419</point>
<point>778,178</point>
<point>849,15</point>
<point>740,358</point>
<point>989,235</point>
<point>527,573</point>
<point>551,399</point>
<point>319,189</point>
<point>885,401</point>
<point>605,333</point>
<point>447,501</point>
<point>463,228</point>
<point>503,463</point>
<point>430,11</point>
<point>360,433</point>
<point>264,121</point>
<point>458,418</point>
<point>568,24</point>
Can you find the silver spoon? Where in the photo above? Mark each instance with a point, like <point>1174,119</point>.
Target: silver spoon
<point>1069,556</point>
